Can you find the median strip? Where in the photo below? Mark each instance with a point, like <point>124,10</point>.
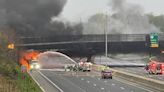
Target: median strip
<point>151,83</point>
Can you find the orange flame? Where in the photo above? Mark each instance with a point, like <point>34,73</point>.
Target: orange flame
<point>27,56</point>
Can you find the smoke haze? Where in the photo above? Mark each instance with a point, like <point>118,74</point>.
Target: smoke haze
<point>125,18</point>
<point>32,17</point>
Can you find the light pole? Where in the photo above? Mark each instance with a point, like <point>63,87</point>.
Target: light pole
<point>106,36</point>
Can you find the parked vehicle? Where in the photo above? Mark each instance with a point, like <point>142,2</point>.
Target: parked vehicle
<point>155,67</point>
<point>85,66</point>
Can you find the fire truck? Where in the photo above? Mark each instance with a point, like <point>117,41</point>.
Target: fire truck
<point>85,66</point>
<point>155,67</point>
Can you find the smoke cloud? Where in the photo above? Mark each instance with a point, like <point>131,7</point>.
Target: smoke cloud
<point>32,17</point>
<point>129,19</point>
<point>125,18</point>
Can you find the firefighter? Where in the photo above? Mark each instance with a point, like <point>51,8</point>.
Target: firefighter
<point>147,67</point>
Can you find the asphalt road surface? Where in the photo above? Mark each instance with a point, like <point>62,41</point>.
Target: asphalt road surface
<point>118,59</point>
<point>90,82</point>
<point>131,60</point>
<point>141,71</point>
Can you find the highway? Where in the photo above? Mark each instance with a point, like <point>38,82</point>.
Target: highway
<point>121,60</point>
<point>129,60</point>
<point>58,80</point>
<point>88,82</point>
<point>141,71</point>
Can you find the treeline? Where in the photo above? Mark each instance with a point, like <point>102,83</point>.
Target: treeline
<point>7,56</point>
<point>97,23</point>
<point>158,21</point>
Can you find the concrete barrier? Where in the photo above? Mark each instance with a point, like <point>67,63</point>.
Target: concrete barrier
<point>148,82</point>
<point>99,67</point>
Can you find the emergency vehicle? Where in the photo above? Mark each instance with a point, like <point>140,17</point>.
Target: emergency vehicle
<point>155,67</point>
<point>85,66</point>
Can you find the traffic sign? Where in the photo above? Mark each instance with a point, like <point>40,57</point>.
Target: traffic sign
<point>11,46</point>
<point>154,41</point>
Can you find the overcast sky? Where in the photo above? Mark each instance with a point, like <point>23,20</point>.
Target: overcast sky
<point>76,9</point>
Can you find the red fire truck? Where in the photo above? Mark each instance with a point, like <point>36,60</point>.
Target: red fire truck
<point>155,67</point>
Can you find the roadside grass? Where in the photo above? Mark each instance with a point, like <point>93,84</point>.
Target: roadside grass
<point>146,59</point>
<point>11,81</point>
<point>26,83</point>
<point>8,85</point>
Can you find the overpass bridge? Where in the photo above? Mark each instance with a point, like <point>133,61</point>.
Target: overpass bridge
<point>91,43</point>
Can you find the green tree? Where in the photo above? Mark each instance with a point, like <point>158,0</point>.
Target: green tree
<point>98,18</point>
<point>96,24</point>
<point>158,21</point>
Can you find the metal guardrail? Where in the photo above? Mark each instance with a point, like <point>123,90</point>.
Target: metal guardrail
<point>148,82</point>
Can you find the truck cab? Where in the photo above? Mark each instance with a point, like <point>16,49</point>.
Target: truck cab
<point>34,65</point>
<point>155,67</point>
<point>85,66</point>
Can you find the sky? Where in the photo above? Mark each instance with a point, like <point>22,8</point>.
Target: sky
<point>80,10</point>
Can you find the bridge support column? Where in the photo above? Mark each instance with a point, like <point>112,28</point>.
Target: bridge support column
<point>90,59</point>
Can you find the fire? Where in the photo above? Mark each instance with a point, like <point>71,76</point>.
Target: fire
<point>27,56</point>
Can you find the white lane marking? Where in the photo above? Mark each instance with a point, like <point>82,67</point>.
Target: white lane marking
<point>159,78</point>
<point>82,79</point>
<point>52,70</point>
<point>98,78</point>
<point>135,72</point>
<point>132,91</point>
<point>133,84</point>
<point>102,88</point>
<point>94,85</point>
<point>88,81</point>
<point>92,76</point>
<point>75,85</point>
<point>105,81</point>
<point>113,84</point>
<point>122,88</point>
<point>51,82</point>
<point>37,83</point>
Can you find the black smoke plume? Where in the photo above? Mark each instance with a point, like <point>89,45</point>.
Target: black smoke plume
<point>33,17</point>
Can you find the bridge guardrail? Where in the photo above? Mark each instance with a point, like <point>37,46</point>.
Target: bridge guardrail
<point>99,38</point>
